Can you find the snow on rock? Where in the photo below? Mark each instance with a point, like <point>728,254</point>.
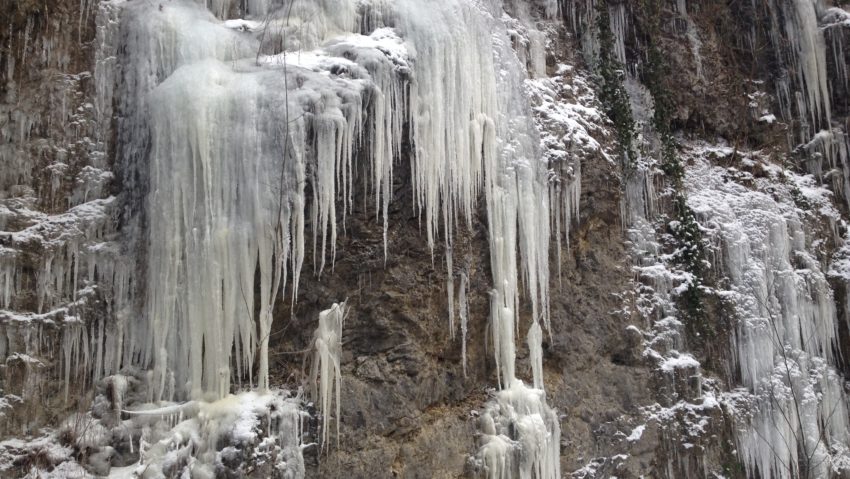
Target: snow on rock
<point>201,440</point>
<point>268,426</point>
<point>42,451</point>
<point>637,433</point>
<point>683,361</point>
<point>567,119</point>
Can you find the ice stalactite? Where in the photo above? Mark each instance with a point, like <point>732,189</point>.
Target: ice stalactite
<point>800,427</point>
<point>453,89</point>
<point>581,16</point>
<point>521,434</point>
<point>813,84</point>
<point>535,353</point>
<point>566,140</point>
<point>618,15</point>
<point>325,375</point>
<point>106,61</point>
<point>808,57</point>
<point>463,312</point>
<point>288,124</point>
<point>835,23</point>
<point>8,280</point>
<point>692,34</point>
<point>814,68</point>
<point>80,266</point>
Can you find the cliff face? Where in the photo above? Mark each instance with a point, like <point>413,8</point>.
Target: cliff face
<point>637,207</point>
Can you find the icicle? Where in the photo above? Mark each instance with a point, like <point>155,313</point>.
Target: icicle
<point>450,290</point>
<point>502,328</point>
<point>807,58</point>
<point>786,329</point>
<point>692,34</point>
<point>463,312</point>
<point>8,281</point>
<point>326,368</point>
<point>227,132</point>
<point>618,18</point>
<point>535,353</point>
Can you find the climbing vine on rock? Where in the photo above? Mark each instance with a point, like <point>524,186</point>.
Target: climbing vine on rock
<point>612,92</point>
<point>689,254</point>
<point>687,241</point>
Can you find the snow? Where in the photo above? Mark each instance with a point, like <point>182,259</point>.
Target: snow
<point>175,439</point>
<point>637,433</point>
<point>683,361</point>
<point>564,113</point>
<point>13,450</point>
<point>694,417</point>
<point>56,230</point>
<point>243,25</point>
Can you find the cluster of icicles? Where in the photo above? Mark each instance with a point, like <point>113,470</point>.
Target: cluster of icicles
<point>786,331</point>
<point>249,135</point>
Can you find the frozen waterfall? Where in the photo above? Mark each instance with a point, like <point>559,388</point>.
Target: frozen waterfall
<point>243,138</point>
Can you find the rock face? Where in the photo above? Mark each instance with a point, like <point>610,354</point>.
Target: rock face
<point>662,186</point>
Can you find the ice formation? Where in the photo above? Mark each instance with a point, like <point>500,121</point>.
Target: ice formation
<point>191,439</point>
<point>238,141</point>
<point>806,97</point>
<point>520,435</point>
<point>327,345</point>
<point>268,426</point>
<point>785,336</point>
<point>808,83</point>
<point>786,340</point>
<point>336,81</point>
